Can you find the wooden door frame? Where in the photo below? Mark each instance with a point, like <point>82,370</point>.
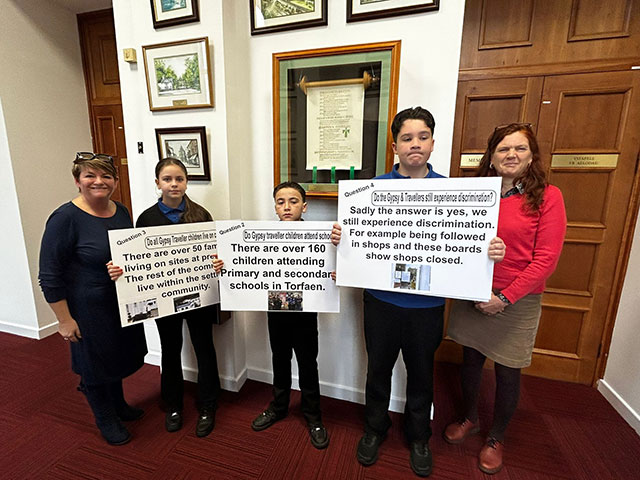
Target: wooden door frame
<point>87,73</point>
<point>85,69</point>
<point>622,260</point>
<point>622,264</point>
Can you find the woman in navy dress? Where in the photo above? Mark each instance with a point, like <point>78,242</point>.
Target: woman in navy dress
<point>76,284</point>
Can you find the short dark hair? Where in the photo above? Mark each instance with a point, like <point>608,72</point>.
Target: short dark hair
<point>294,185</point>
<point>414,113</point>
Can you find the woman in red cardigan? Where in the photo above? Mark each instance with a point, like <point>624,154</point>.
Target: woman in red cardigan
<point>532,223</point>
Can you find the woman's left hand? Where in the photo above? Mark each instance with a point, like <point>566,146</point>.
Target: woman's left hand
<point>497,249</point>
<point>115,272</point>
<point>218,264</point>
<point>493,306</point>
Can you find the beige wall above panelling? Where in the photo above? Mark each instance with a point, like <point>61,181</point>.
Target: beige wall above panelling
<point>511,35</point>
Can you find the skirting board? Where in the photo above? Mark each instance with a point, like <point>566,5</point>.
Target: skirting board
<point>228,383</point>
<point>620,405</point>
<point>29,332</point>
<point>332,390</point>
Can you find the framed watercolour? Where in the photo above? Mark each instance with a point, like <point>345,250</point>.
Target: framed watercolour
<point>268,16</point>
<point>178,74</point>
<point>167,13</point>
<point>187,144</point>
<point>358,10</point>
<point>332,110</point>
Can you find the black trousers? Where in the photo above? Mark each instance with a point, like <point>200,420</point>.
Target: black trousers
<point>417,332</point>
<point>171,382</point>
<point>295,332</point>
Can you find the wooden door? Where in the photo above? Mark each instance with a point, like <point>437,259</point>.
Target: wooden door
<point>100,64</point>
<point>584,115</point>
<point>587,115</point>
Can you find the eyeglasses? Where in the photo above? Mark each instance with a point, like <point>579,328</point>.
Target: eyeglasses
<point>86,156</point>
<point>514,124</point>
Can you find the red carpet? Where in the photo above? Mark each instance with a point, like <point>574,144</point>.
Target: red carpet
<point>560,431</point>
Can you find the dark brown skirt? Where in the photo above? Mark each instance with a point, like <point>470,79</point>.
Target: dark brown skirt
<point>506,338</point>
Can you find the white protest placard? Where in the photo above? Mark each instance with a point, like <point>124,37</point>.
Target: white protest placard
<point>167,269</point>
<point>422,236</point>
<point>277,266</point>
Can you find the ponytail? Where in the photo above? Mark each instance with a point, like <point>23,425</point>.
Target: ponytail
<point>193,212</point>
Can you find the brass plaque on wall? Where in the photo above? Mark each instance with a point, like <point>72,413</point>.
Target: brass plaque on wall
<point>588,160</point>
<point>470,160</point>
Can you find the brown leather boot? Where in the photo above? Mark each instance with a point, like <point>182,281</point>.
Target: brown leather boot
<point>456,432</point>
<point>490,457</point>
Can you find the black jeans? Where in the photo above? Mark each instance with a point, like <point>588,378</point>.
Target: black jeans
<point>417,332</point>
<point>295,332</point>
<point>171,382</point>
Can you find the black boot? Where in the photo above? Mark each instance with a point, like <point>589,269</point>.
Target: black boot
<point>105,415</point>
<point>125,412</point>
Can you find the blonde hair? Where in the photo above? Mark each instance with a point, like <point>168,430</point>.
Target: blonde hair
<point>96,163</point>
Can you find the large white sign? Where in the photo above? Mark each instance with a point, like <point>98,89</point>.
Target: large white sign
<point>421,236</point>
<point>167,269</point>
<point>277,266</point>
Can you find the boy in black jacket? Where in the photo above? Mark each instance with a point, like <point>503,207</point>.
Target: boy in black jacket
<point>289,332</point>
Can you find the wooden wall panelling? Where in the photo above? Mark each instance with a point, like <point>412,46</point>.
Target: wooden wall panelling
<point>481,105</point>
<point>607,30</point>
<point>614,22</point>
<point>587,114</point>
<point>505,23</point>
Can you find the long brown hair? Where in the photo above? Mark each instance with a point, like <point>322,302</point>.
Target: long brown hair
<point>533,179</point>
<point>192,211</point>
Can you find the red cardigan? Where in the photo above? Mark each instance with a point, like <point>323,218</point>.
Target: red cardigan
<point>534,243</point>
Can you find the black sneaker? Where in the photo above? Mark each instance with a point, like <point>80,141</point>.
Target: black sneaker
<point>206,422</point>
<point>173,421</point>
<point>319,436</point>
<point>420,459</point>
<point>368,448</point>
<point>265,420</point>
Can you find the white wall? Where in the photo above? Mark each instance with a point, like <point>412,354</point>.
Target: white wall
<point>240,139</point>
<point>41,89</point>
<point>134,28</point>
<point>430,55</point>
<point>621,383</point>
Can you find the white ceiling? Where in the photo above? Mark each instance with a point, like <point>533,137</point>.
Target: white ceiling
<point>80,6</point>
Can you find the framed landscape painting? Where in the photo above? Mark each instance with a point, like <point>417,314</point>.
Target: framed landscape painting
<point>268,16</point>
<point>187,144</point>
<point>178,74</point>
<point>359,10</point>
<point>167,13</point>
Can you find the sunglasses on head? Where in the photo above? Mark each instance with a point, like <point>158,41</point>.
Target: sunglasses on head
<point>86,156</point>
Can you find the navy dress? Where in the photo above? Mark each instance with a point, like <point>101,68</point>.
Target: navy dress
<point>73,257</point>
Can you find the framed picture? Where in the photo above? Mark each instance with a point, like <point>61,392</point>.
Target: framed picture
<point>358,10</point>
<point>167,13</point>
<point>178,74</point>
<point>187,144</point>
<point>268,16</point>
<point>332,111</point>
